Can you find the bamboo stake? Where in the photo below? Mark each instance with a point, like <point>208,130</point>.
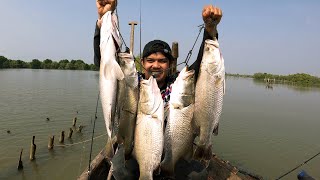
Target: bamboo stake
<point>33,148</point>
<point>51,141</point>
<point>74,121</point>
<point>61,140</point>
<point>20,166</point>
<point>70,133</point>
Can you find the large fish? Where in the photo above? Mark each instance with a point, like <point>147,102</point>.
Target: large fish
<point>110,72</point>
<point>128,97</point>
<point>210,89</point>
<point>148,140</point>
<point>179,131</point>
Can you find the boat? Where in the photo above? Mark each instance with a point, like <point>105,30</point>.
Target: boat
<point>121,169</point>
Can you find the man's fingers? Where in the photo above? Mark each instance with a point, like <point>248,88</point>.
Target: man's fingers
<point>101,2</point>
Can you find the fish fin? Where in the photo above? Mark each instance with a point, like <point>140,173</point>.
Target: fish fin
<point>224,87</point>
<point>215,130</point>
<point>113,70</point>
<point>109,148</point>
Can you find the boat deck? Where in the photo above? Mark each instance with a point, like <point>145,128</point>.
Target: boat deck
<point>217,169</point>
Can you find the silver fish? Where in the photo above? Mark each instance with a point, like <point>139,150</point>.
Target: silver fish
<point>210,89</point>
<point>110,72</point>
<point>179,130</point>
<point>128,97</point>
<point>148,140</point>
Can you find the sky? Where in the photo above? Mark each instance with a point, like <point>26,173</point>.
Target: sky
<point>278,37</point>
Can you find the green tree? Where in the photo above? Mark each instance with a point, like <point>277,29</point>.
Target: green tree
<point>2,61</point>
<point>46,64</point>
<point>35,64</point>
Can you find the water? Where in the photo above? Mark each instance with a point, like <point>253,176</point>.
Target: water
<point>266,132</point>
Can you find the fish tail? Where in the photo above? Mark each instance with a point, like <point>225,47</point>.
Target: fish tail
<point>199,152</point>
<point>146,176</point>
<point>203,152</point>
<point>167,167</point>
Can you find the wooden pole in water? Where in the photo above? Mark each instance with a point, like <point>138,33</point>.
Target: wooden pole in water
<point>175,54</point>
<point>61,140</point>
<point>74,121</point>
<point>20,166</point>
<point>33,148</point>
<point>70,133</point>
<point>51,141</point>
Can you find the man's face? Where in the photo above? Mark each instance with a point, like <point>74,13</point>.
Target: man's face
<point>157,64</point>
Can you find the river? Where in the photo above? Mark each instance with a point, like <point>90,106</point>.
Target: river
<point>263,131</point>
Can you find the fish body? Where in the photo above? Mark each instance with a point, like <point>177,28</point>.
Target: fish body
<point>179,130</point>
<point>128,97</point>
<point>110,71</point>
<point>209,92</point>
<point>148,140</point>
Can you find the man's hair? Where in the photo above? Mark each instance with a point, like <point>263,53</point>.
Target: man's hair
<point>157,46</point>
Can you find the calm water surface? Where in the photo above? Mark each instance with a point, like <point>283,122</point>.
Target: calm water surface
<point>263,131</point>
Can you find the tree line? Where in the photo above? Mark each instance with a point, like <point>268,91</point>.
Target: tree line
<point>300,79</point>
<point>47,64</point>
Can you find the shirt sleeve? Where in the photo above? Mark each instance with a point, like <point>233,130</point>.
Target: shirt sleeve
<point>196,64</point>
<point>96,46</point>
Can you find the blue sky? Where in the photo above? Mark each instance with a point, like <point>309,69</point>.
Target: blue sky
<point>280,37</point>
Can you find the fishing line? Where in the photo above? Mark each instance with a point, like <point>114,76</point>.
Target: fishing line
<point>190,52</point>
<point>305,162</point>
<point>140,27</point>
<point>94,124</point>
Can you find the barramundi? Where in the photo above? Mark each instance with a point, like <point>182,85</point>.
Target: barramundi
<point>110,72</point>
<point>127,101</point>
<point>179,131</point>
<point>148,140</point>
<point>209,92</point>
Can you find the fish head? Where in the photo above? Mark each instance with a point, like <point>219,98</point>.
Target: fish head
<point>126,62</point>
<point>149,96</point>
<point>212,56</point>
<point>183,88</point>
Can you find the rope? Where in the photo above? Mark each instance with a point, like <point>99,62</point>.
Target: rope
<point>305,162</point>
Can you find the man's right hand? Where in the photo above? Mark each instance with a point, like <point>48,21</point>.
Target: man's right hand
<point>105,5</point>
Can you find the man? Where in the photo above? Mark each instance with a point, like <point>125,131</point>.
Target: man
<point>156,56</point>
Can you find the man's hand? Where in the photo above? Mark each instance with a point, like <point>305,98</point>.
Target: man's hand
<point>211,16</point>
<point>105,5</point>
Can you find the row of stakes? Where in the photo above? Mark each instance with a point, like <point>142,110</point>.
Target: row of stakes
<point>50,143</point>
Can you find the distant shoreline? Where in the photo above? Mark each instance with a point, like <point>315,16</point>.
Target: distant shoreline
<point>298,79</point>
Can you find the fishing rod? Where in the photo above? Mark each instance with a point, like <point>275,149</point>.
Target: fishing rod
<point>305,162</point>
